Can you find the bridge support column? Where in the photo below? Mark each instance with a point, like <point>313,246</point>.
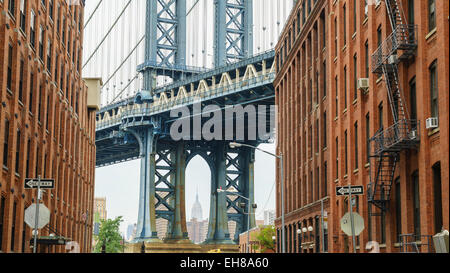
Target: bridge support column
<point>218,221</point>
<point>146,223</point>
<point>249,182</point>
<point>177,228</point>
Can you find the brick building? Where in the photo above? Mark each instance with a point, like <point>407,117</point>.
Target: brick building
<point>335,132</point>
<point>47,125</point>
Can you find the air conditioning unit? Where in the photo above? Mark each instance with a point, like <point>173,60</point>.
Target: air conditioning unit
<point>363,84</point>
<point>432,123</point>
<point>393,59</point>
<point>413,134</point>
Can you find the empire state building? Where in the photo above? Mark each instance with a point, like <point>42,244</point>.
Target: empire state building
<point>197,212</point>
<point>196,227</point>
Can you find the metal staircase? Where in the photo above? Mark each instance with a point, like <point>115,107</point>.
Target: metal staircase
<point>387,144</point>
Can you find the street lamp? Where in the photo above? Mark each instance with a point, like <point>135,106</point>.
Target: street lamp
<point>280,157</point>
<point>250,206</point>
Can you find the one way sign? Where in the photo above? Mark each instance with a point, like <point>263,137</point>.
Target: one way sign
<point>356,190</point>
<point>32,183</point>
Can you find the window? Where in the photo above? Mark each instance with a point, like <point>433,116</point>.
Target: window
<point>366,53</point>
<point>411,12</point>
<point>311,186</point>
<point>49,56</point>
<point>356,146</point>
<point>23,6</point>
<point>379,38</point>
<point>434,91</point>
<point>354,16</point>
<point>355,77</point>
<point>13,225</point>
<point>324,77</point>
<point>336,101</point>
<point>17,152</point>
<point>346,152</point>
<point>367,138</point>
<point>345,25</point>
<point>325,179</point>
<point>41,90</point>
<point>345,87</point>
<point>335,38</point>
<point>337,158</point>
<point>324,130</point>
<point>6,144</point>
<point>27,170</point>
<point>438,223</point>
<point>416,204</point>
<point>380,116</point>
<point>41,43</point>
<point>12,7</point>
<point>317,183</point>
<point>10,64</point>
<point>431,15</point>
<point>317,87</point>
<point>32,29</point>
<point>366,9</point>
<point>398,208</point>
<point>413,101</point>
<point>21,79</point>
<point>30,102</point>
<point>50,9</point>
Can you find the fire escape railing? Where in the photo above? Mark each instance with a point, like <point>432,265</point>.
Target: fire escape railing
<point>404,37</point>
<point>402,135</point>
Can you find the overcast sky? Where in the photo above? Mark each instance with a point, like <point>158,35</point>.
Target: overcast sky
<point>120,183</point>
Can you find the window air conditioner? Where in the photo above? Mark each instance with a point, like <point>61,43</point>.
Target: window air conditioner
<point>432,123</point>
<point>392,59</point>
<point>363,84</point>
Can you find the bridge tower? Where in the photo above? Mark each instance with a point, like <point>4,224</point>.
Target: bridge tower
<point>163,161</point>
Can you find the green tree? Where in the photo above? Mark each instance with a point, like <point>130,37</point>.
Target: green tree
<point>109,236</point>
<point>265,238</point>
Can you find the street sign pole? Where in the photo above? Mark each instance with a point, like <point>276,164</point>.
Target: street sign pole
<point>38,199</point>
<point>351,217</point>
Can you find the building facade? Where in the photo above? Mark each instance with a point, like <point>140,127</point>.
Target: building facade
<point>100,208</point>
<point>269,217</point>
<point>300,89</point>
<point>47,124</point>
<point>389,134</point>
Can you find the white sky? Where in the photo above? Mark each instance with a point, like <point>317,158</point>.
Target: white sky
<point>120,183</point>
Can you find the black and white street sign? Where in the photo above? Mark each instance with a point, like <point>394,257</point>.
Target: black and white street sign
<point>356,190</point>
<point>32,183</point>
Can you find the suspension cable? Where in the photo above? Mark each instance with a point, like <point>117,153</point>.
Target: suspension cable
<point>92,14</point>
<point>107,34</point>
<point>124,61</point>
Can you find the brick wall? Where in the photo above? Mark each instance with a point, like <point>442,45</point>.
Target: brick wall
<point>349,111</point>
<point>47,105</point>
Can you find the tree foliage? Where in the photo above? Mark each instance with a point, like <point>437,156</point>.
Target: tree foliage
<point>109,235</point>
<point>265,238</point>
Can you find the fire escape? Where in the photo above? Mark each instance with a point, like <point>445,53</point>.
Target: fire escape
<point>387,144</point>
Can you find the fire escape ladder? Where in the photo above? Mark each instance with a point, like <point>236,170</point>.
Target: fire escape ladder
<point>380,190</point>
<point>388,143</point>
<point>395,12</point>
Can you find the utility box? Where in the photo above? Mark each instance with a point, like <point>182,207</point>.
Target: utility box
<point>93,99</point>
<point>441,242</point>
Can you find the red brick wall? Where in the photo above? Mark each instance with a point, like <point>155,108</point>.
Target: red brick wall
<point>64,134</point>
<point>292,93</point>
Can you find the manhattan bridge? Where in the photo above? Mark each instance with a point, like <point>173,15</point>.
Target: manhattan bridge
<point>134,121</point>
